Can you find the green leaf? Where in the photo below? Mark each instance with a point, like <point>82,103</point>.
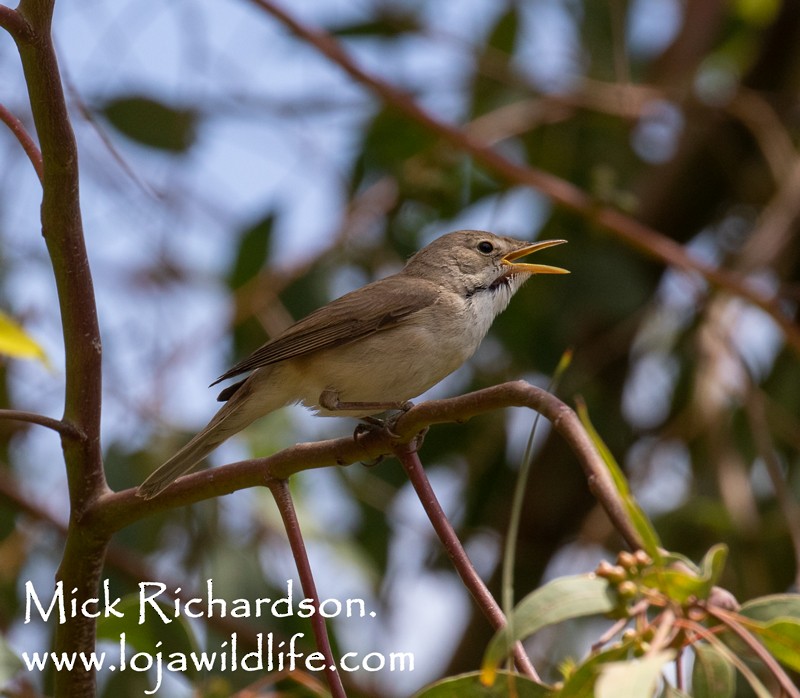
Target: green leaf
<point>504,33</point>
<point>153,123</point>
<point>775,620</point>
<point>559,600</point>
<point>781,637</point>
<point>734,660</point>
<point>470,686</point>
<point>681,584</point>
<point>581,682</point>
<point>713,676</point>
<point>253,252</point>
<point>636,678</point>
<point>493,83</point>
<point>388,23</point>
<point>152,636</point>
<point>769,608</point>
<point>644,527</point>
<point>15,342</point>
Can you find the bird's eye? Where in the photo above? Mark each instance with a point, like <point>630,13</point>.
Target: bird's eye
<point>485,247</point>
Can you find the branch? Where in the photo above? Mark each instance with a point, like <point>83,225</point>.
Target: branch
<point>15,24</point>
<point>409,458</point>
<point>24,138</point>
<point>113,511</point>
<point>85,550</point>
<point>65,429</point>
<point>561,192</point>
<point>283,498</point>
<point>131,565</point>
<point>731,621</point>
<point>63,233</point>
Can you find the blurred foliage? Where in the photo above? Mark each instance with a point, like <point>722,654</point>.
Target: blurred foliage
<point>670,369</point>
<point>152,123</point>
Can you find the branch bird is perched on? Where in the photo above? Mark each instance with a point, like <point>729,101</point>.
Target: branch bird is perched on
<point>375,348</point>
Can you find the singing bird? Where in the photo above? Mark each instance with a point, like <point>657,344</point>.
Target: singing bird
<point>375,348</point>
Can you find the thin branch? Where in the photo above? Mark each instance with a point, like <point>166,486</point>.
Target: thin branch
<point>68,431</point>
<point>115,510</point>
<point>24,138</point>
<point>283,498</point>
<point>560,191</point>
<point>15,24</point>
<point>731,621</point>
<point>130,564</point>
<point>409,458</point>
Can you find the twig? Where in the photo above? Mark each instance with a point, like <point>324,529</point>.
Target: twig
<point>731,622</point>
<point>407,453</point>
<point>129,563</point>
<point>562,192</point>
<point>115,510</point>
<point>24,138</point>
<point>65,429</point>
<point>283,498</point>
<point>14,23</point>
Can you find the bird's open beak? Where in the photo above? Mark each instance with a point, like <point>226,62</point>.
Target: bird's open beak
<point>533,268</point>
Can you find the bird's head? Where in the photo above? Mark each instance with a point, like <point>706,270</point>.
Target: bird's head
<point>476,260</point>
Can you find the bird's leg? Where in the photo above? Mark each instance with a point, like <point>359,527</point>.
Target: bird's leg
<point>329,399</point>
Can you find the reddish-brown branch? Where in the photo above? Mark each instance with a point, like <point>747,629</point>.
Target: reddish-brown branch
<point>409,458</point>
<point>15,24</point>
<point>85,549</point>
<point>66,430</point>
<point>732,622</point>
<point>283,498</point>
<point>130,564</point>
<point>62,229</point>
<point>113,511</point>
<point>24,138</point>
<point>564,193</point>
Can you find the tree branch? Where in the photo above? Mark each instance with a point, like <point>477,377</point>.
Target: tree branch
<point>561,192</point>
<point>113,511</point>
<point>407,454</point>
<point>24,138</point>
<point>15,24</point>
<point>63,233</point>
<point>283,498</point>
<point>66,430</point>
<point>85,549</point>
<point>131,565</point>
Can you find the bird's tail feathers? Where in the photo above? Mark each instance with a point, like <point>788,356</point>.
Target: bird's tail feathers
<point>235,415</point>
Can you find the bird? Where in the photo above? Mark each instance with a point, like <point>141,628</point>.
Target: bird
<point>373,349</point>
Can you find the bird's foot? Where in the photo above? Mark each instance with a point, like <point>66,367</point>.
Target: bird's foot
<point>369,425</point>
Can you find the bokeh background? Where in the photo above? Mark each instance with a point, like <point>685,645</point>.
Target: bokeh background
<point>233,179</point>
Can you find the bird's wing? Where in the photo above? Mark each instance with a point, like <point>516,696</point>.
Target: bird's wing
<point>353,316</point>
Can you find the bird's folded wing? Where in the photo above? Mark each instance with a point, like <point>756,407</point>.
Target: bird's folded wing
<point>353,316</point>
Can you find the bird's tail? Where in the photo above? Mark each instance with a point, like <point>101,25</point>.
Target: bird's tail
<point>241,410</point>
